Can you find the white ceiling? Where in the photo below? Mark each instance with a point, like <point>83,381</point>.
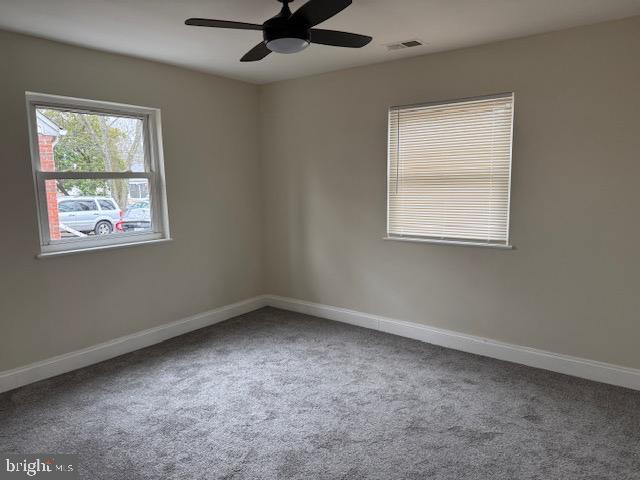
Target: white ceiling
<point>155,29</point>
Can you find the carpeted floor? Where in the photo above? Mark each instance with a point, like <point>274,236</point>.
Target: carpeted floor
<point>274,394</point>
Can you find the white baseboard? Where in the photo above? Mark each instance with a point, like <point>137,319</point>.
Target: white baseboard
<point>51,367</point>
<point>575,366</point>
<point>555,362</point>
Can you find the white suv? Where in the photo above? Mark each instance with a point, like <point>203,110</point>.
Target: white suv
<point>88,214</point>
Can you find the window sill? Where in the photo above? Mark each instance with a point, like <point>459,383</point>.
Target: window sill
<point>457,243</point>
<point>102,247</point>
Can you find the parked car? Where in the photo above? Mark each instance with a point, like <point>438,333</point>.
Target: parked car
<point>89,214</point>
<point>137,217</point>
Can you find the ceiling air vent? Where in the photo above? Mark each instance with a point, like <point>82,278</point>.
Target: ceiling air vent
<point>401,45</point>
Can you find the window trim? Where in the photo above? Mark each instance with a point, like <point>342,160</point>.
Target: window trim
<point>507,245</point>
<point>455,243</point>
<point>154,165</point>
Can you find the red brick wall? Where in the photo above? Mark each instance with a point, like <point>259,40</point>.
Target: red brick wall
<point>45,146</point>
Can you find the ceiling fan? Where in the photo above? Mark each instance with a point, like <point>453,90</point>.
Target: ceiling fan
<point>293,32</point>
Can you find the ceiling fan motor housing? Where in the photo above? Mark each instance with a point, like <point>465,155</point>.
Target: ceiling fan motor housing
<point>284,36</point>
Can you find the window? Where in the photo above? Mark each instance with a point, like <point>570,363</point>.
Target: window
<point>449,171</point>
<point>76,206</point>
<point>106,205</point>
<point>91,162</point>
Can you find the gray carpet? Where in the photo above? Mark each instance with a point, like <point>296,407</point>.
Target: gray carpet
<point>274,394</point>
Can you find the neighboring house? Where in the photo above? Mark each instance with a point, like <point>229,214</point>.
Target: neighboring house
<point>138,187</point>
<point>48,135</point>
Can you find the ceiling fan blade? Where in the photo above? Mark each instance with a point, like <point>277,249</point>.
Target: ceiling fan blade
<point>317,11</point>
<point>207,22</point>
<point>338,39</point>
<point>256,53</point>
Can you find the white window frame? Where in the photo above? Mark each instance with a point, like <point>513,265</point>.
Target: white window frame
<point>451,241</point>
<point>154,174</point>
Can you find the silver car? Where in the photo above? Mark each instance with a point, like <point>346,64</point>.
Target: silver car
<point>136,217</point>
<point>88,214</point>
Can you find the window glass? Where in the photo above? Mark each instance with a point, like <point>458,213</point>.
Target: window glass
<point>69,206</point>
<point>106,205</point>
<point>76,205</point>
<point>89,142</point>
<point>79,218</point>
<point>87,205</point>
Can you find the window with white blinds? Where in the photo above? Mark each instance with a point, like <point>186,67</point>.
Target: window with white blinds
<point>449,171</point>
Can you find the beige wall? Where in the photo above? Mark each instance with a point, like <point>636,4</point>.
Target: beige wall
<point>57,305</point>
<point>571,284</point>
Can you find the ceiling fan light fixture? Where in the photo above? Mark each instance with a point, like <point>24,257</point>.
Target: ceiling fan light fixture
<point>287,45</point>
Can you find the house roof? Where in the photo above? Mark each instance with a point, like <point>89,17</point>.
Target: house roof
<point>47,127</point>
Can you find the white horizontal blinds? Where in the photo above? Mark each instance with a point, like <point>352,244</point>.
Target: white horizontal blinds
<point>449,170</point>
